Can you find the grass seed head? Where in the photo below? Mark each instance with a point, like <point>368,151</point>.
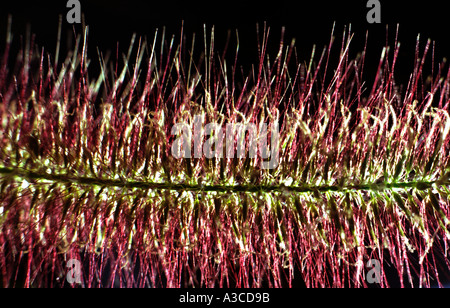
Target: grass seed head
<point>87,172</point>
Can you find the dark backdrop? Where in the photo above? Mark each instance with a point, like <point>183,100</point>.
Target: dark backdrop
<point>310,22</point>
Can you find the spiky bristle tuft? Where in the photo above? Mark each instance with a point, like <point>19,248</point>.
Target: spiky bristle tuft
<point>87,171</point>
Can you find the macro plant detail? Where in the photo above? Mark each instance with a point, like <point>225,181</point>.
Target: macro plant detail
<point>87,170</point>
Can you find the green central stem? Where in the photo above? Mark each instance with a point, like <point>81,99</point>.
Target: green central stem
<point>64,178</point>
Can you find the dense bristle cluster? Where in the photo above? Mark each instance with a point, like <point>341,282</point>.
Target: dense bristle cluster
<point>87,171</point>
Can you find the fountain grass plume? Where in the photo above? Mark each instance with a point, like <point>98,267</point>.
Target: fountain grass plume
<point>86,170</point>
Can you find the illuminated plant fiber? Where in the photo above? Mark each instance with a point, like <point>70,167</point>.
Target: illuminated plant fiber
<point>87,173</point>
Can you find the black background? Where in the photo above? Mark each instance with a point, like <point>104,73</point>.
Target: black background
<point>310,22</point>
